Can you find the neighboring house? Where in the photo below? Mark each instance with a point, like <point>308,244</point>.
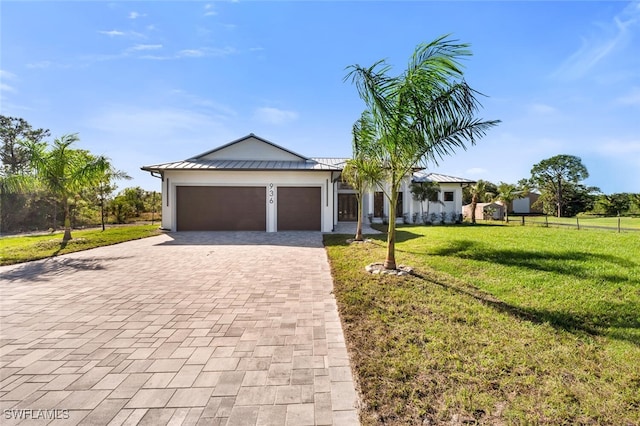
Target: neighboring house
<point>252,184</point>
<point>526,205</point>
<point>485,211</point>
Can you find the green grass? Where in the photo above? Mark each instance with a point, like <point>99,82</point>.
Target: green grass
<point>20,249</point>
<point>501,325</point>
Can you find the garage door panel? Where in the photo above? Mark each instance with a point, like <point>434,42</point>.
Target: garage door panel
<point>221,208</point>
<point>299,208</point>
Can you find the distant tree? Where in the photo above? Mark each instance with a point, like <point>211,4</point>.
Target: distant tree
<point>152,204</point>
<point>479,193</point>
<point>13,153</point>
<point>614,204</point>
<point>121,209</point>
<point>554,178</point>
<point>525,186</point>
<point>506,193</point>
<point>420,116</point>
<point>579,199</point>
<point>105,187</point>
<point>360,172</point>
<point>14,161</point>
<point>635,200</point>
<point>64,171</point>
<point>425,191</point>
<point>135,197</point>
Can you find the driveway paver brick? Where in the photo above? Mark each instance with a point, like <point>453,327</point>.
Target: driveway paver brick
<point>194,328</point>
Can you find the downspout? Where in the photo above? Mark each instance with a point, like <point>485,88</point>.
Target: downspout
<point>334,180</point>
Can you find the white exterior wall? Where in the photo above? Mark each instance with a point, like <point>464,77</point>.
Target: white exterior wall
<point>322,179</point>
<point>522,205</point>
<point>448,207</point>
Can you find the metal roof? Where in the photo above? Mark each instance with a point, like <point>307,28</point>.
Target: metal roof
<point>194,164</point>
<point>440,178</point>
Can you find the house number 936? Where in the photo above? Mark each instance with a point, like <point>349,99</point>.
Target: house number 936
<point>270,193</point>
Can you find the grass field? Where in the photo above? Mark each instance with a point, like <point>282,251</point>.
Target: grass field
<point>501,325</point>
<point>17,249</point>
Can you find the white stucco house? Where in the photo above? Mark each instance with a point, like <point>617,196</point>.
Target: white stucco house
<point>252,184</point>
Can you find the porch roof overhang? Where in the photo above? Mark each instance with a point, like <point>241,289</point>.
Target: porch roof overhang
<point>440,178</point>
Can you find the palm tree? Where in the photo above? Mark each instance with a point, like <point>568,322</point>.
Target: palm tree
<point>64,171</point>
<point>478,192</point>
<point>425,191</point>
<point>360,172</point>
<point>507,193</point>
<point>419,116</point>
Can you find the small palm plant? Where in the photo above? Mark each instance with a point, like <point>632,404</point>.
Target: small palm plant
<point>478,193</point>
<point>507,193</point>
<point>425,191</point>
<point>360,172</point>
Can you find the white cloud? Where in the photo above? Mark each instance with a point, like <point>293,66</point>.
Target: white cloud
<point>139,47</point>
<point>275,116</point>
<point>620,148</point>
<point>4,76</point>
<point>6,88</point>
<point>209,10</point>
<point>183,97</point>
<point>112,33</point>
<point>126,34</point>
<point>615,35</point>
<point>206,52</point>
<point>150,123</point>
<point>40,64</point>
<point>538,108</point>
<point>191,53</point>
<point>136,15</point>
<point>631,98</point>
<point>7,75</point>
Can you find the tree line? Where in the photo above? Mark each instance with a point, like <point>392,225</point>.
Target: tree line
<point>559,182</point>
<point>49,185</point>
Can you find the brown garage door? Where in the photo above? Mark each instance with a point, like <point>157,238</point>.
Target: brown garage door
<point>299,208</point>
<point>221,208</point>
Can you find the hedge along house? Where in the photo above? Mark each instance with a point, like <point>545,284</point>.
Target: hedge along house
<point>252,184</point>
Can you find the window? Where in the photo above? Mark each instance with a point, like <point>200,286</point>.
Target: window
<point>448,196</point>
<point>378,204</point>
<point>399,205</point>
<point>434,196</point>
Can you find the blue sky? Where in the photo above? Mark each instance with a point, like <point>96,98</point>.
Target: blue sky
<point>156,81</point>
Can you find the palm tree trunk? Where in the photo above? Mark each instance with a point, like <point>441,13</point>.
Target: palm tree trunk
<point>67,222</point>
<point>474,204</point>
<point>390,261</point>
<point>358,236</point>
<point>102,212</point>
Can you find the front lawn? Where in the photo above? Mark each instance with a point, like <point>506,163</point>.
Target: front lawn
<point>32,247</point>
<point>501,325</point>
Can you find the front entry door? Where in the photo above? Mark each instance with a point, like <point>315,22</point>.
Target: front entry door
<point>347,208</point>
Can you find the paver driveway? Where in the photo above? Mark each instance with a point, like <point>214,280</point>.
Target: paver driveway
<point>186,328</point>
